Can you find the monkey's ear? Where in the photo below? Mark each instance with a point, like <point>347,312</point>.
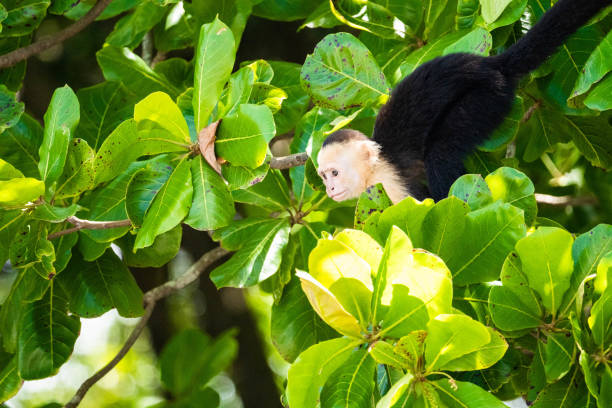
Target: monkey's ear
<point>368,149</point>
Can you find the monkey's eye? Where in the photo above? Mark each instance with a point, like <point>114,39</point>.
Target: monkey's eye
<point>324,177</point>
<point>334,173</point>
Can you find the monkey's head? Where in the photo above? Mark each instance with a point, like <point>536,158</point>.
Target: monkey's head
<point>346,163</point>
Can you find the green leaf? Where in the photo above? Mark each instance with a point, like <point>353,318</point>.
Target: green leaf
<point>46,335</point>
<point>477,41</point>
<point>10,381</point>
<point>272,193</point>
<point>108,204</point>
<point>354,297</point>
<point>27,287</point>
<point>131,29</point>
<point>373,200</point>
<point>259,256</point>
<point>169,207</point>
<point>590,136</point>
<point>294,325</point>
<point>11,109</point>
<point>212,206</point>
<point>558,354</point>
<point>599,321</point>
<point>90,249</point>
<point>63,250</point>
<point>342,73</point>
<point>444,226</point>
<point>595,68</point>
<point>214,60</point>
<point>78,175</point>
<point>240,177</point>
<point>164,249</point>
<point>283,10</point>
<point>287,77</point>
<point>514,306</point>
<point>465,395</point>
<point>472,190</point>
<point>234,13</point>
<point>490,233</point>
<point>567,393</point>
<point>353,381</point>
<point>243,137</point>
<point>511,14</point>
<point>19,191</point>
<point>400,394</point>
<point>144,185</point>
<point>492,9</point>
<point>160,109</point>
<point>31,246</point>
<point>598,98</point>
<point>10,224</point>
<point>514,187</point>
<point>128,142</point>
<point>322,360</point>
<point>546,259</point>
<point>122,65</point>
<point>61,119</point>
<point>94,288</point>
<point>23,16</point>
<point>384,353</point>
<point>19,145</point>
<point>47,212</point>
<point>183,373</point>
<point>467,11</point>
<point>604,273</point>
<point>451,336</point>
<point>103,108</point>
<point>406,314</point>
<point>433,49</point>
<point>482,358</point>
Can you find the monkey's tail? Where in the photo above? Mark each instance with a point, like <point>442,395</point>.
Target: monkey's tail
<point>539,43</point>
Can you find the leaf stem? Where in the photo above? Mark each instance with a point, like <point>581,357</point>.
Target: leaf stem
<point>80,224</point>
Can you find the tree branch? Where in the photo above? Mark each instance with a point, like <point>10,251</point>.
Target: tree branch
<point>149,299</point>
<point>565,200</point>
<point>80,224</point>
<point>286,162</point>
<point>46,42</point>
<point>529,112</point>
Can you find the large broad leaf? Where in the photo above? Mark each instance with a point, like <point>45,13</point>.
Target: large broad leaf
<point>405,314</point>
<point>546,258</point>
<point>103,108</point>
<point>490,233</point>
<point>169,207</point>
<point>598,98</point>
<point>243,137</point>
<point>16,192</point>
<point>27,287</point>
<point>78,175</point>
<point>164,249</point>
<point>61,119</point>
<point>93,288</point>
<point>19,145</point>
<point>477,41</point>
<point>63,250</point>
<point>342,73</point>
<point>483,357</point>
<point>588,251</point>
<point>287,77</point>
<point>464,394</point>
<point>122,65</point>
<point>131,29</point>
<point>160,109</point>
<point>444,224</point>
<point>472,190</point>
<point>599,321</point>
<point>214,61</point>
<point>595,68</point>
<point>23,16</point>
<point>234,13</point>
<point>272,193</point>
<point>570,392</point>
<point>11,109</point>
<point>259,257</point>
<point>10,381</point>
<point>183,373</point>
<point>31,246</point>
<point>212,205</point>
<point>284,10</point>
<point>127,143</point>
<point>372,201</point>
<point>10,223</point>
<point>353,381</point>
<point>514,306</point>
<point>433,49</point>
<point>492,9</point>
<point>514,187</point>
<point>46,335</point>
<point>558,355</point>
<point>144,185</point>
<point>591,136</point>
<point>451,336</point>
<point>312,369</point>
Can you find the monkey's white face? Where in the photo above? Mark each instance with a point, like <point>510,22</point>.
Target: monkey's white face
<point>344,168</point>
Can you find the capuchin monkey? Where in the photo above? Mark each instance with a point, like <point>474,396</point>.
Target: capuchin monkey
<point>440,113</point>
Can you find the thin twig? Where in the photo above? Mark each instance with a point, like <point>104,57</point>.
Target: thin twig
<point>285,162</point>
<point>531,110</point>
<point>46,42</point>
<point>80,224</point>
<point>565,200</point>
<point>147,48</point>
<point>150,299</point>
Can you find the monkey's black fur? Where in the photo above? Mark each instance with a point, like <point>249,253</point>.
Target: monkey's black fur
<point>449,105</point>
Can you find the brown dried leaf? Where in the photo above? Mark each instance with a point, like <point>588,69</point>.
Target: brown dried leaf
<point>206,141</point>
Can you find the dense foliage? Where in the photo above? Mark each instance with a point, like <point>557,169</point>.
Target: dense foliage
<point>484,296</point>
